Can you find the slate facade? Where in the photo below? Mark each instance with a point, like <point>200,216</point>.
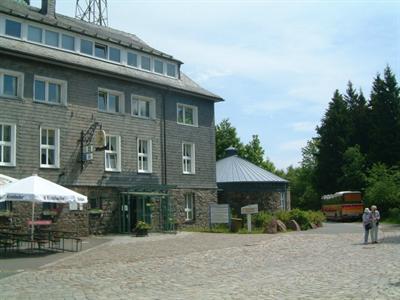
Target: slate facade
<point>83,77</point>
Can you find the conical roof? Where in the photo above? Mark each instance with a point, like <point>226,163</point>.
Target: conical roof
<point>236,169</point>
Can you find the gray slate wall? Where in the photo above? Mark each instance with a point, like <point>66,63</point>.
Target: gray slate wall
<point>81,112</point>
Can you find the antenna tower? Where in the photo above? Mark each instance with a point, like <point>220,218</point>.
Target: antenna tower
<point>92,11</point>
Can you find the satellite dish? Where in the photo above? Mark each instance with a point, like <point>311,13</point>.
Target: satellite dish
<point>100,140</point>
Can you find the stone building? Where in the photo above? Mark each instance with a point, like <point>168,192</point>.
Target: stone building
<point>63,83</point>
<point>242,183</point>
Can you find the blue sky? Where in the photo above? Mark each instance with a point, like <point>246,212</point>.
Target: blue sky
<point>276,63</point>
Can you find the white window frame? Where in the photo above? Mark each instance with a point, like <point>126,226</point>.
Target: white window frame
<point>77,43</point>
<point>56,148</point>
<point>149,156</point>
<point>136,99</point>
<point>20,83</point>
<point>12,144</point>
<point>121,103</point>
<point>192,159</point>
<point>184,107</point>
<point>117,151</point>
<point>48,80</point>
<point>189,199</point>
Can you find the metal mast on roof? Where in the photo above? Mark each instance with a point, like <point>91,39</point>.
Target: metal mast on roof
<point>92,11</point>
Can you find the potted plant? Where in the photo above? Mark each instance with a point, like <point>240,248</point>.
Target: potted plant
<point>142,228</point>
<point>95,212</point>
<point>6,213</point>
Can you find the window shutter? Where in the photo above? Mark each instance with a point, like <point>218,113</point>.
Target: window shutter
<point>194,207</point>
<point>195,116</point>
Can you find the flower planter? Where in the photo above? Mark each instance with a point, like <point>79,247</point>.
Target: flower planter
<point>142,232</point>
<point>6,214</point>
<point>96,212</point>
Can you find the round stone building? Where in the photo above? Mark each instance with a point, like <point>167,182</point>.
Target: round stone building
<point>241,183</point>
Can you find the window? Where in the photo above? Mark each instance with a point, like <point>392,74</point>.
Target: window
<point>51,38</point>
<point>132,59</point>
<point>50,90</point>
<point>100,51</point>
<point>86,47</point>
<point>158,66</point>
<point>188,158</point>
<point>144,156</point>
<point>171,70</point>
<point>95,201</point>
<point>189,207</point>
<point>145,63</point>
<point>68,42</point>
<point>283,200</point>
<point>110,101</point>
<point>11,83</point>
<point>113,153</point>
<point>6,206</point>
<point>186,114</point>
<point>7,144</point>
<point>143,107</point>
<point>34,34</point>
<point>13,28</point>
<point>49,148</point>
<point>115,54</point>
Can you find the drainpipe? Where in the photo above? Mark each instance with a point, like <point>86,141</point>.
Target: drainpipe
<point>164,138</point>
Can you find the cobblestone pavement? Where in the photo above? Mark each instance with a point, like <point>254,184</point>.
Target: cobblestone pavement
<point>220,266</point>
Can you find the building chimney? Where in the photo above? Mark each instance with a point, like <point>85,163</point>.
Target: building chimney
<point>49,8</point>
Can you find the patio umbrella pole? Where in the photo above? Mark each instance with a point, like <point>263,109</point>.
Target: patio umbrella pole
<point>33,217</point>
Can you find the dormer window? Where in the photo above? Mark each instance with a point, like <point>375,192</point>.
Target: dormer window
<point>100,51</point>
<point>52,38</point>
<point>115,54</point>
<point>132,59</point>
<point>86,47</point>
<point>171,70</point>
<point>68,42</point>
<point>35,34</point>
<point>158,66</point>
<point>145,63</point>
<point>13,28</point>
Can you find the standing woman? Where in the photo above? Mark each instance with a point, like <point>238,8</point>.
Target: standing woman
<point>375,216</point>
<point>367,222</point>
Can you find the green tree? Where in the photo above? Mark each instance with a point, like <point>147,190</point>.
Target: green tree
<point>354,169</point>
<point>333,137</point>
<point>383,187</point>
<point>253,151</point>
<point>385,120</point>
<point>302,179</point>
<point>358,118</point>
<point>226,136</point>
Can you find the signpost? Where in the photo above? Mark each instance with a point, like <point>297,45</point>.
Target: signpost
<point>248,210</point>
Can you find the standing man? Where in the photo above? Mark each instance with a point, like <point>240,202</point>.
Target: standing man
<point>375,216</point>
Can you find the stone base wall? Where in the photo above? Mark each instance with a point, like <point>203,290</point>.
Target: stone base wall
<point>268,201</point>
<point>81,221</point>
<point>202,199</point>
<point>106,221</point>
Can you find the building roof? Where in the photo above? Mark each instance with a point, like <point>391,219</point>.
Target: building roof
<point>75,25</point>
<point>184,83</point>
<point>235,169</point>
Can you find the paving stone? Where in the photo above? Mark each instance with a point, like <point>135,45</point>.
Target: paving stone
<point>293,265</point>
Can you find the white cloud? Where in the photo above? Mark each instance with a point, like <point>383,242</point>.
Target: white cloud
<point>293,145</point>
<point>303,126</point>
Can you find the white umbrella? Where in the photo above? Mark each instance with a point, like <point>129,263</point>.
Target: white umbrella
<point>36,189</point>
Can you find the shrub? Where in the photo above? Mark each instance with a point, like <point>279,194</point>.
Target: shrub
<point>301,217</point>
<point>261,219</point>
<point>316,217</point>
<point>283,215</point>
<point>394,215</point>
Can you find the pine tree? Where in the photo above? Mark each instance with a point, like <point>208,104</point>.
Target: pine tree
<point>358,117</point>
<point>385,120</point>
<point>333,142</point>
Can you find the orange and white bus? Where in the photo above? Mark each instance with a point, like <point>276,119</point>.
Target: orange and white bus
<point>343,205</point>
